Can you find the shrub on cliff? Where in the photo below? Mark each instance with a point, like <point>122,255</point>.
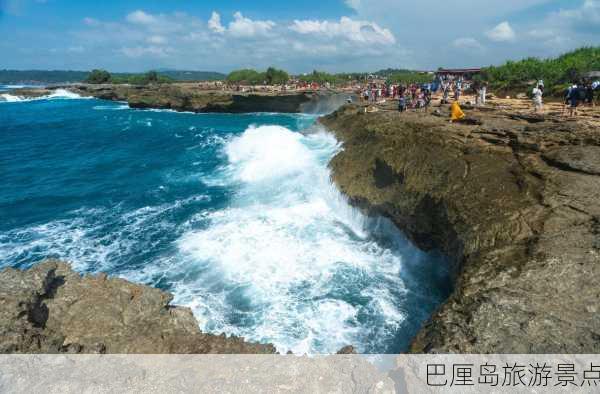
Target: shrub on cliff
<point>98,76</point>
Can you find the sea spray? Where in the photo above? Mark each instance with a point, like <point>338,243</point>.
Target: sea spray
<point>289,261</point>
<point>234,214</point>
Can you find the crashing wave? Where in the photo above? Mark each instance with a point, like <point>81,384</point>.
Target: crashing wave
<point>57,94</point>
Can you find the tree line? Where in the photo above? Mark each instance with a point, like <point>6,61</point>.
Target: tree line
<point>557,73</point>
<point>103,76</point>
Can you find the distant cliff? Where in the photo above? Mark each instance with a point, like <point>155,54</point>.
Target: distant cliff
<point>188,97</point>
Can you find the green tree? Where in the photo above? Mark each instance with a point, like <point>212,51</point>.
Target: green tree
<point>151,77</point>
<point>556,73</point>
<point>274,76</point>
<point>408,77</point>
<point>99,76</point>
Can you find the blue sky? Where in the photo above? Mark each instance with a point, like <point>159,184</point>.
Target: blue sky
<point>334,35</point>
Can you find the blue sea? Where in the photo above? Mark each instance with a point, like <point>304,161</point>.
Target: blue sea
<point>233,214</point>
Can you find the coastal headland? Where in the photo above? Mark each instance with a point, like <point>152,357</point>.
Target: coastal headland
<point>512,200</point>
<point>189,97</point>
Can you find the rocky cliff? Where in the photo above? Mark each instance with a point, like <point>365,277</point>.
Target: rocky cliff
<point>513,201</point>
<point>188,97</point>
<point>51,309</point>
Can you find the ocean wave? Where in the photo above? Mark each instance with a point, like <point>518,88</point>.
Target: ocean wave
<point>111,107</point>
<point>93,239</point>
<point>288,261</point>
<point>243,226</point>
<point>58,94</point>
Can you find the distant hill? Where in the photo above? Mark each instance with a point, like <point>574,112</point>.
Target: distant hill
<point>63,76</point>
<point>182,75</point>
<point>41,76</point>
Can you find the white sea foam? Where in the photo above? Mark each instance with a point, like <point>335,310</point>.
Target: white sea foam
<point>63,94</point>
<point>57,94</point>
<point>111,107</point>
<point>272,265</point>
<point>93,239</point>
<point>9,98</point>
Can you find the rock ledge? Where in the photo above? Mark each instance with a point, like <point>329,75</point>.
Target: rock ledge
<point>52,309</point>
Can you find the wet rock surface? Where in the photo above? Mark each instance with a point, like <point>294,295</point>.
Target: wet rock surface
<point>52,309</point>
<point>514,204</point>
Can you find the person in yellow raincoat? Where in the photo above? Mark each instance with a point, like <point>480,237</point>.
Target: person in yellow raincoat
<point>455,112</point>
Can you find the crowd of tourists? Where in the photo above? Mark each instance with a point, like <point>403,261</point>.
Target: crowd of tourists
<point>580,94</point>
<point>409,96</point>
<point>451,88</point>
<point>575,96</point>
<point>413,96</point>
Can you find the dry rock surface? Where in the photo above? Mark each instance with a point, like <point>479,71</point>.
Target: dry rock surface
<point>513,201</point>
<point>50,309</point>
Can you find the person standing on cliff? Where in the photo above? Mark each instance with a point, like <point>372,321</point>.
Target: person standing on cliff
<point>476,88</point>
<point>402,103</point>
<point>457,90</point>
<point>573,99</point>
<point>482,93</point>
<point>538,105</point>
<point>589,95</point>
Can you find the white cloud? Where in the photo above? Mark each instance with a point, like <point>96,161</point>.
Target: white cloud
<point>541,33</point>
<point>183,41</point>
<point>75,49</point>
<point>354,4</point>
<point>246,27</point>
<point>140,17</point>
<point>91,21</point>
<point>568,28</point>
<point>468,44</point>
<point>590,10</point>
<point>139,51</point>
<point>214,23</point>
<point>502,32</point>
<point>346,28</point>
<point>157,40</point>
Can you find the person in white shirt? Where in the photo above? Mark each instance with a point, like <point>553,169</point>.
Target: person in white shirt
<point>482,93</point>
<point>538,104</point>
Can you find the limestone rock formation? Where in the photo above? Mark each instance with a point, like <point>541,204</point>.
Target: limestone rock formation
<point>513,203</point>
<point>50,309</point>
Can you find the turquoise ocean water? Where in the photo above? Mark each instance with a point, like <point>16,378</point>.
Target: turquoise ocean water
<point>233,214</point>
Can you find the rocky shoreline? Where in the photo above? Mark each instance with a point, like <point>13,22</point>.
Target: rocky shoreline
<point>49,308</point>
<point>188,97</point>
<point>512,200</point>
